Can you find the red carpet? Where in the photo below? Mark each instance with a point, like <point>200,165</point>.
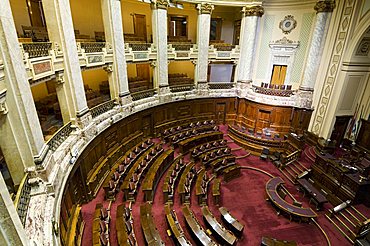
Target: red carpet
<point>244,197</point>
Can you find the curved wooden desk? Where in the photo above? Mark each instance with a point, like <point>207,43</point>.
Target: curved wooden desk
<point>151,233</point>
<point>272,187</point>
<point>175,226</point>
<point>231,221</point>
<point>227,237</point>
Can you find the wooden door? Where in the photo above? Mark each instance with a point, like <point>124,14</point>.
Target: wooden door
<point>340,127</point>
<point>147,125</point>
<point>221,113</point>
<point>36,13</point>
<point>140,26</point>
<point>263,119</point>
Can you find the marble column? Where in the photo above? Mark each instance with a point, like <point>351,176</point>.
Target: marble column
<point>11,229</point>
<point>247,42</point>
<point>203,29</point>
<point>159,27</point>
<point>61,33</point>
<point>21,140</point>
<point>117,72</point>
<point>323,13</point>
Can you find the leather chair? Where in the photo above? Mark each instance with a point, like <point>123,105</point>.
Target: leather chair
<point>264,154</point>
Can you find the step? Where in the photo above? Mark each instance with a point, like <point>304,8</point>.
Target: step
<point>346,235</point>
<point>302,166</point>
<point>288,176</point>
<point>345,224</point>
<point>293,169</point>
<point>297,167</point>
<point>359,213</point>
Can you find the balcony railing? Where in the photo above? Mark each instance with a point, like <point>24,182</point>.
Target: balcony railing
<point>93,47</point>
<point>180,88</point>
<point>140,46</point>
<point>220,85</point>
<point>182,47</point>
<point>37,49</point>
<point>143,94</point>
<point>22,198</point>
<point>273,92</point>
<point>60,136</point>
<point>223,47</point>
<point>102,108</point>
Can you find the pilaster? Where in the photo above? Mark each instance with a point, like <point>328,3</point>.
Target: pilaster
<point>61,32</point>
<point>21,138</point>
<point>117,72</point>
<point>203,28</point>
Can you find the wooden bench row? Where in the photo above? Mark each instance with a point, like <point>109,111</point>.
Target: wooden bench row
<point>125,226</point>
<point>100,227</point>
<point>150,231</point>
<point>185,183</point>
<point>201,187</point>
<point>199,151</point>
<point>173,174</point>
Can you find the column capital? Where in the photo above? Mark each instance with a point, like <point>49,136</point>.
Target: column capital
<point>253,10</point>
<point>324,6</point>
<point>160,4</point>
<point>60,78</point>
<point>205,8</point>
<point>3,107</point>
<point>108,68</point>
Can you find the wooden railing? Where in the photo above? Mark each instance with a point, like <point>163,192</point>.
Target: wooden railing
<point>140,46</point>
<point>60,136</point>
<point>37,49</point>
<point>93,47</point>
<point>180,88</point>
<point>22,198</point>
<point>288,159</point>
<point>143,94</point>
<point>102,108</point>
<point>220,85</point>
<point>273,92</point>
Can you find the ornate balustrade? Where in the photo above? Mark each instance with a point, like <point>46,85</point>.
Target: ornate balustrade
<point>182,47</point>
<point>220,85</point>
<point>37,49</point>
<point>273,92</point>
<point>180,88</point>
<point>22,198</point>
<point>140,46</point>
<point>102,108</point>
<point>224,47</point>
<point>60,136</point>
<point>92,47</point>
<point>143,94</point>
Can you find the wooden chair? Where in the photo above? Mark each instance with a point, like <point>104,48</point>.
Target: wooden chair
<point>264,154</point>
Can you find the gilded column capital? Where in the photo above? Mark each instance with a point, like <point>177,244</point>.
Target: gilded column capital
<point>160,4</point>
<point>205,8</point>
<point>254,10</point>
<point>324,6</point>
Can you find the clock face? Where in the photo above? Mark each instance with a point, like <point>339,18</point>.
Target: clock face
<point>288,24</point>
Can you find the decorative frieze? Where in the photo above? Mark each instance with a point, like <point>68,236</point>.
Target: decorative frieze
<point>253,10</point>
<point>205,8</point>
<point>325,6</point>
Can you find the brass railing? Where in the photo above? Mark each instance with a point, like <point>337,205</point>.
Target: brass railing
<point>140,46</point>
<point>60,136</point>
<point>37,49</point>
<point>102,108</point>
<point>93,47</point>
<point>182,47</point>
<point>180,88</point>
<point>143,94</point>
<point>220,85</point>
<point>273,92</point>
<point>22,198</point>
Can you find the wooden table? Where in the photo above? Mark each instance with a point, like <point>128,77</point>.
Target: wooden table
<point>315,195</point>
<point>227,237</point>
<point>196,229</point>
<point>272,188</point>
<point>231,221</point>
